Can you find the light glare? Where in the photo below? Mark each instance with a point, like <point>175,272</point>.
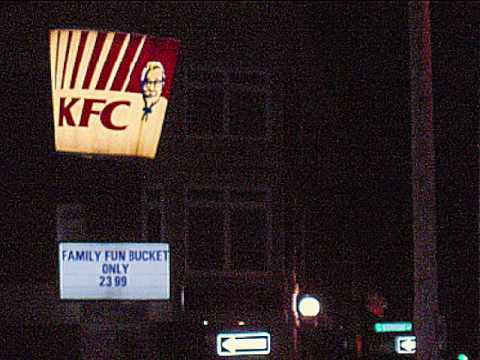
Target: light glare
<point>309,306</point>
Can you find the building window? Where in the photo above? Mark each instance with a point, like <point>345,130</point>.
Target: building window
<point>228,231</point>
<point>153,215</point>
<point>248,235</point>
<point>224,103</point>
<point>206,238</point>
<point>247,113</point>
<point>205,112</point>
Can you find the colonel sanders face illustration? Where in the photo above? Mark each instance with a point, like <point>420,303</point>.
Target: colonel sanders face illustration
<point>153,79</point>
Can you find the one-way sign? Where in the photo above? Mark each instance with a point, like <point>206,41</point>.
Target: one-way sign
<point>405,344</point>
<point>244,343</point>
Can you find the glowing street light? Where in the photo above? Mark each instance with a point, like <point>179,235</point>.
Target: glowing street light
<point>309,306</point>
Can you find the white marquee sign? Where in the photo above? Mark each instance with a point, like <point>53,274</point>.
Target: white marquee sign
<point>108,271</point>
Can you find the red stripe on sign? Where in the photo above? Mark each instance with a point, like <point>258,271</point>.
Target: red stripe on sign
<point>81,48</point>
<point>124,67</point>
<point>110,61</point>
<point>94,59</point>
<point>135,77</point>
<point>66,59</point>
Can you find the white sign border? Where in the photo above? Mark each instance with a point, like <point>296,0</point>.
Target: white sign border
<point>399,339</point>
<point>224,335</point>
<point>113,299</point>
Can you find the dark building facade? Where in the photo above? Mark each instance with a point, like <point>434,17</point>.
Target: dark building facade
<point>228,191</point>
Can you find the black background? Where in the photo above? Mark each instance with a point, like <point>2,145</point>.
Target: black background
<point>365,50</point>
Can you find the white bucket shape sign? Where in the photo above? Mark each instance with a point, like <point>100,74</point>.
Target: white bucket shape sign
<point>110,91</point>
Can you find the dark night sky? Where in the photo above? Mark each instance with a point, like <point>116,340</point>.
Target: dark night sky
<point>366,50</point>
<point>378,134</point>
<point>373,68</point>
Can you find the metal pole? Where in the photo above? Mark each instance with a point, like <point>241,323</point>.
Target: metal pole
<point>423,183</point>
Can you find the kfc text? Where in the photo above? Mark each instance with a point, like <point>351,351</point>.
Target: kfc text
<point>88,108</point>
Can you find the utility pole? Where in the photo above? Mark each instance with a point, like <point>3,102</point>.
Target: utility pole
<point>426,309</point>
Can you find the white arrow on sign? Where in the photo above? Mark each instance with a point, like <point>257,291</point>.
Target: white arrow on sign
<point>247,343</point>
<point>405,344</point>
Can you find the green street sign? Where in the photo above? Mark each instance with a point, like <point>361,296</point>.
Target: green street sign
<point>404,326</point>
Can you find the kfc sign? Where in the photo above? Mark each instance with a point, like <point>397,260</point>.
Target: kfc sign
<point>110,91</point>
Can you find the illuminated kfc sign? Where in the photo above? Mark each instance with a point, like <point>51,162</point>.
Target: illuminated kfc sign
<point>110,91</point>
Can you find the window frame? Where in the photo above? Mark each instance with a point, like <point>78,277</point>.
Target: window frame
<point>228,206</point>
<point>147,206</point>
<point>228,86</point>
